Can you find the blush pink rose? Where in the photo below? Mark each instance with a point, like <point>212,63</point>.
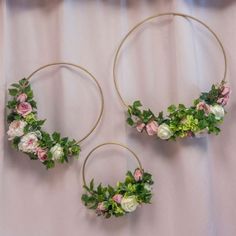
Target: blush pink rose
<point>138,174</point>
<point>203,106</point>
<point>117,198</point>
<point>152,128</point>
<point>223,101</point>
<point>42,154</point>
<point>140,127</point>
<point>225,91</point>
<point>22,97</point>
<point>101,206</point>
<point>24,109</point>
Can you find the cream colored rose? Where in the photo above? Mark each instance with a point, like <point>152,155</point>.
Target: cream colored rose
<point>16,129</point>
<point>218,111</point>
<point>164,131</point>
<point>57,152</point>
<point>29,143</point>
<point>129,204</point>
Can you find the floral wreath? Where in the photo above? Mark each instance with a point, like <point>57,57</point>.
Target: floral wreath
<point>26,130</point>
<point>204,116</point>
<point>122,199</point>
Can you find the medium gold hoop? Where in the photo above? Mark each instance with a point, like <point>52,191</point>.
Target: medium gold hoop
<point>92,77</point>
<point>104,144</point>
<point>148,20</point>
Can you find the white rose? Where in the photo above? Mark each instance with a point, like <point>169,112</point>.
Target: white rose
<point>16,129</point>
<point>164,131</point>
<point>129,204</point>
<point>218,111</point>
<point>29,143</point>
<point>57,152</point>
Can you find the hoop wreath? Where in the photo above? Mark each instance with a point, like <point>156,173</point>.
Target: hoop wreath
<point>26,130</point>
<point>125,197</point>
<point>204,116</point>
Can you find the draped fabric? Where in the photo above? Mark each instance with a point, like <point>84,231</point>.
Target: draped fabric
<point>169,60</point>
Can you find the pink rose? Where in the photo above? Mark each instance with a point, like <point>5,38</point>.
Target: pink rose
<point>225,91</point>
<point>223,100</point>
<point>140,127</point>
<point>22,97</point>
<point>138,174</point>
<point>100,208</point>
<point>152,128</point>
<point>42,154</point>
<point>117,198</point>
<point>24,109</point>
<point>203,106</point>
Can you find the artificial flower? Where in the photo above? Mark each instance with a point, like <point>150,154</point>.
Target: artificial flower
<point>29,143</point>
<point>223,100</point>
<point>203,106</point>
<point>16,129</point>
<point>117,198</point>
<point>225,91</point>
<point>57,152</point>
<point>21,98</point>
<point>42,154</point>
<point>100,208</point>
<point>164,131</point>
<point>152,128</point>
<point>218,111</point>
<point>24,109</point>
<point>129,204</point>
<point>140,127</point>
<point>138,175</point>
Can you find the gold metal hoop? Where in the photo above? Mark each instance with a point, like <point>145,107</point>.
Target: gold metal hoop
<point>104,144</point>
<point>92,77</point>
<point>149,19</point>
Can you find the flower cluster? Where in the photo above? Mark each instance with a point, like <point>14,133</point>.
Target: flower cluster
<point>123,199</point>
<point>25,129</point>
<point>203,117</point>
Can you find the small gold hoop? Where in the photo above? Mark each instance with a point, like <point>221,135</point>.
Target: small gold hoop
<point>149,19</point>
<point>92,77</point>
<point>104,144</point>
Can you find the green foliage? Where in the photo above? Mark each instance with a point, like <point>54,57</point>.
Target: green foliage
<point>103,194</point>
<point>33,124</point>
<point>183,121</point>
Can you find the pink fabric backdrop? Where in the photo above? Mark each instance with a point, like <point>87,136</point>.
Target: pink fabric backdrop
<point>167,61</point>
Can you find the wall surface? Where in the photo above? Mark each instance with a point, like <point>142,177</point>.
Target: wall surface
<point>170,60</point>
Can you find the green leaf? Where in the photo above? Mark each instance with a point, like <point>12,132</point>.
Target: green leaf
<point>12,104</point>
<point>137,104</point>
<point>13,92</point>
<point>40,122</point>
<point>130,121</point>
<point>56,137</point>
<point>33,104</point>
<point>171,108</point>
<point>15,85</point>
<point>181,107</point>
<point>49,164</point>
<point>23,81</point>
<point>91,185</point>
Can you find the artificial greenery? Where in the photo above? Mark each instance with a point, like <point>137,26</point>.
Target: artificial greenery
<point>140,190</point>
<point>35,125</point>
<point>181,120</point>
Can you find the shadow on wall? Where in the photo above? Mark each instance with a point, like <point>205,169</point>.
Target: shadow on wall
<point>211,3</point>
